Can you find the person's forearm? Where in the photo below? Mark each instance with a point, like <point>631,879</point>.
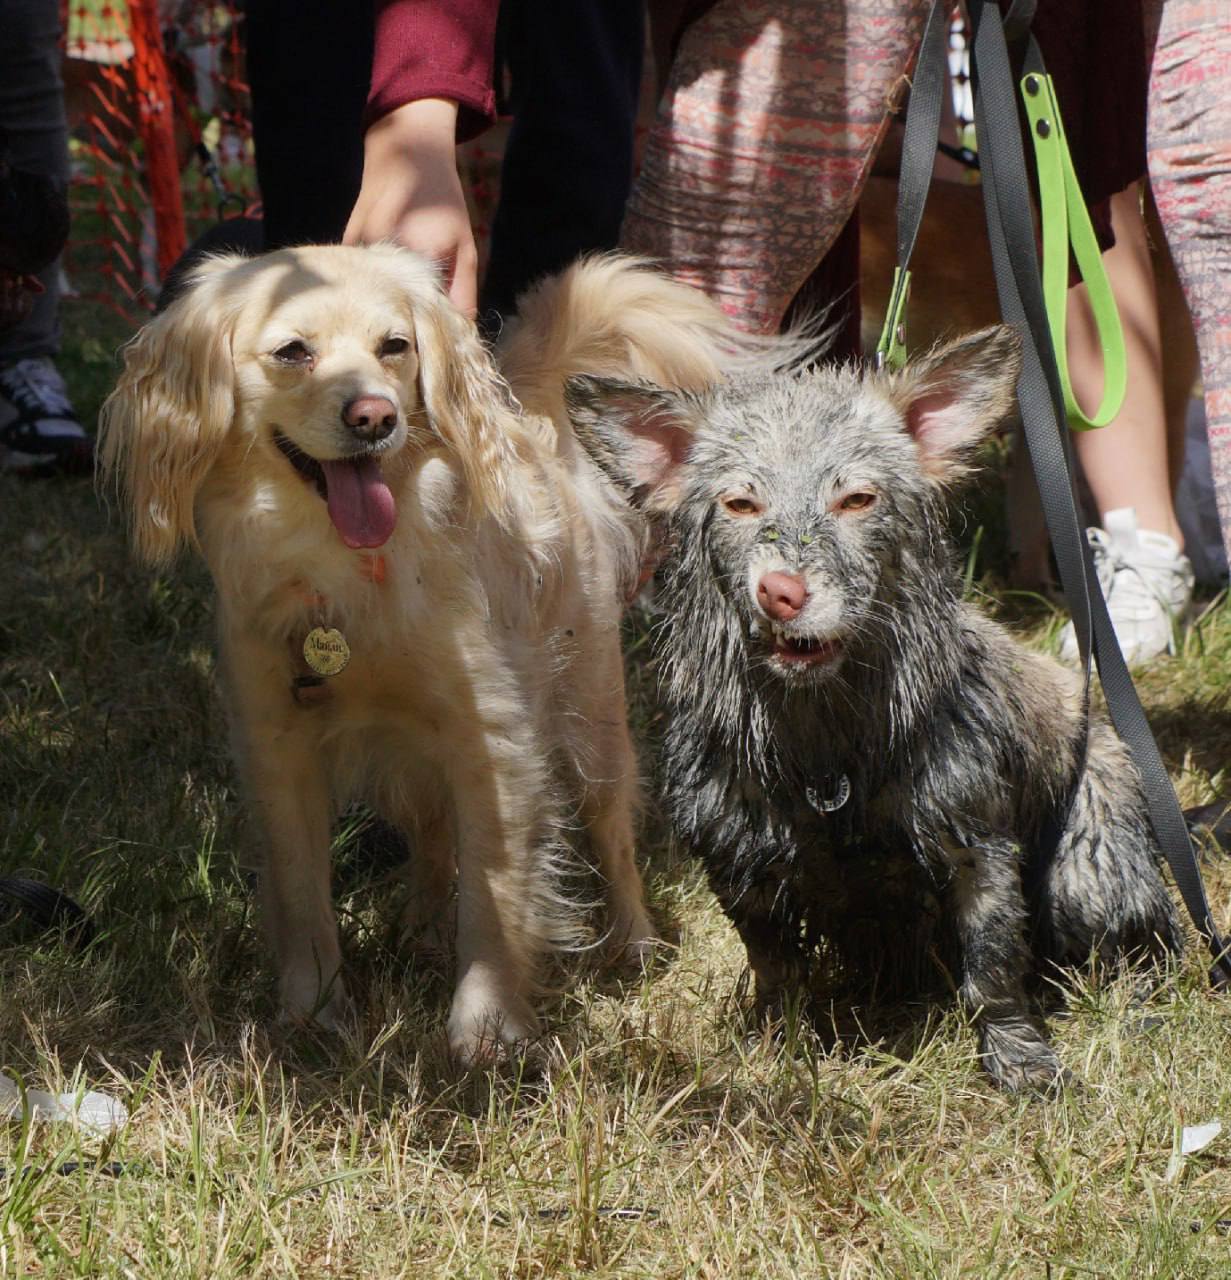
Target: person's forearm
<point>411,193</point>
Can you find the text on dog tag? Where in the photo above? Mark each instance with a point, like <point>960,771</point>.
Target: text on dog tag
<point>325,650</point>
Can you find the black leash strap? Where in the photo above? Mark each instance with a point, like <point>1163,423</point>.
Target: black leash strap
<point>1019,286</point>
<point>931,82</point>
<point>46,907</point>
<point>919,139</point>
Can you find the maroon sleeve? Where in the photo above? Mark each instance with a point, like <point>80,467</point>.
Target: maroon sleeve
<point>435,49</point>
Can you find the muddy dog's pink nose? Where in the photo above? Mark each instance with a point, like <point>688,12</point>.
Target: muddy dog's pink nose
<point>370,417</point>
<point>782,595</point>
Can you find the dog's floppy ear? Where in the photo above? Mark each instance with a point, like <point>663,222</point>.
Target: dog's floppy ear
<point>957,393</point>
<point>638,433</point>
<point>468,404</point>
<point>161,428</point>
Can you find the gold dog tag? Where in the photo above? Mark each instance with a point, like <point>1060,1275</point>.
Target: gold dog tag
<point>325,650</point>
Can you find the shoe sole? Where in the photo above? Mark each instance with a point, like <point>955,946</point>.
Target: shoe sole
<point>75,462</point>
<point>1179,622</point>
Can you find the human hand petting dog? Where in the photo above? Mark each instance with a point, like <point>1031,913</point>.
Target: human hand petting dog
<point>411,193</point>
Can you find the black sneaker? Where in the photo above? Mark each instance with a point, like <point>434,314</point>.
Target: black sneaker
<point>39,429</point>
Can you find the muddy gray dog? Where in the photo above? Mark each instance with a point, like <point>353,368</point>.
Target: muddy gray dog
<point>868,766</point>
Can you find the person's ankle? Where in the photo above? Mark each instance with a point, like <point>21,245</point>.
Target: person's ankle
<point>1152,520</point>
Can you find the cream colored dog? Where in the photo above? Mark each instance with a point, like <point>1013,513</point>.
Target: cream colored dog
<point>332,435</point>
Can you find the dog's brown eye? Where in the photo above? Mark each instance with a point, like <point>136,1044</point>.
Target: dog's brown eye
<point>293,353</point>
<point>742,506</point>
<point>856,502</point>
<point>394,347</point>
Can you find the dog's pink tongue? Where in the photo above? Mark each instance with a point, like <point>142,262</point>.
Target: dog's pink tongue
<point>360,503</point>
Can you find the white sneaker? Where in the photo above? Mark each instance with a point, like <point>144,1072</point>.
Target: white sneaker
<point>1148,584</point>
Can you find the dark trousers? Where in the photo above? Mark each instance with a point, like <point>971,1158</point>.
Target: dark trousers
<point>575,72</point>
<point>32,114</point>
<point>575,76</point>
<point>309,67</point>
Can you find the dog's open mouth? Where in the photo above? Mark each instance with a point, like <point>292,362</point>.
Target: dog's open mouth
<point>360,503</point>
<point>806,651</point>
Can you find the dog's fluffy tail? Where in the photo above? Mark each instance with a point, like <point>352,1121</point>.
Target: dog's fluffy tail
<point>617,316</point>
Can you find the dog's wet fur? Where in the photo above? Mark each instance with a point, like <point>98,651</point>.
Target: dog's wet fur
<point>814,636</point>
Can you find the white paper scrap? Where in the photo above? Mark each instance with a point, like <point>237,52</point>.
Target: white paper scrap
<point>98,1112</point>
<point>1193,1138</point>
<point>1196,1137</point>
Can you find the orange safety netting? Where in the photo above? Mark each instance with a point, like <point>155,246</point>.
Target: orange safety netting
<point>161,140</point>
<point>159,137</point>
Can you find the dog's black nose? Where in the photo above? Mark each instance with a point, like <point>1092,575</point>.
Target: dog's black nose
<point>370,417</point>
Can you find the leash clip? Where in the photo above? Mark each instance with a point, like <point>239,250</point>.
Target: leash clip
<point>891,349</point>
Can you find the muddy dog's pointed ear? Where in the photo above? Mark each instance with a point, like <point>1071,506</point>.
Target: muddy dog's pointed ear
<point>951,398</point>
<point>638,433</point>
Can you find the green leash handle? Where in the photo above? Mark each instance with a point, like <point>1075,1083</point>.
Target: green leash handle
<point>1066,221</point>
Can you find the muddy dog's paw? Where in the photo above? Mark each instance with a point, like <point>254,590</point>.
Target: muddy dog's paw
<point>1020,1060</point>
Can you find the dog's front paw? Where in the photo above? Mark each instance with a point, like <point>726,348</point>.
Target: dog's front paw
<point>1021,1061</point>
<point>781,981</point>
<point>486,1028</point>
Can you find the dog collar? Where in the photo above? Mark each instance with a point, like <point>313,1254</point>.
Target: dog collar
<point>839,794</point>
<point>324,652</point>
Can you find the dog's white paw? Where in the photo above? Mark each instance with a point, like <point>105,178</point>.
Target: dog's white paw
<point>631,939</point>
<point>486,1027</point>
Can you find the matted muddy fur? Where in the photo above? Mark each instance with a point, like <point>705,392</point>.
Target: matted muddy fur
<point>814,639</point>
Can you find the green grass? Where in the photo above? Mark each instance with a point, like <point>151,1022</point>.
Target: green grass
<point>734,1153</point>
